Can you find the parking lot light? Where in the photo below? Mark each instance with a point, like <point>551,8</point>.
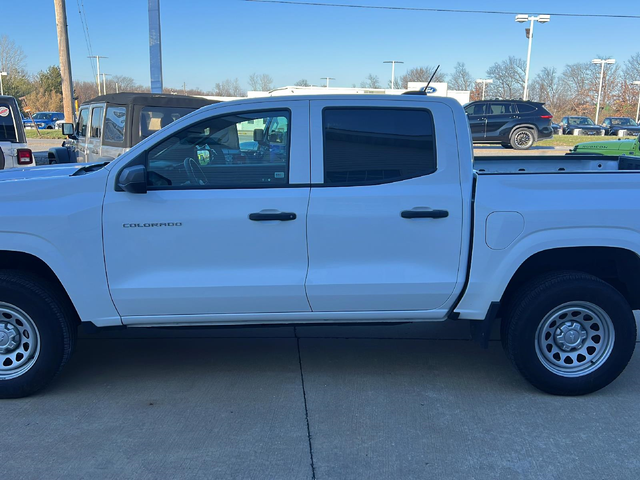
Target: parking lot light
<point>393,71</point>
<point>637,82</point>
<point>522,18</point>
<point>602,63</point>
<point>2,74</point>
<point>484,82</point>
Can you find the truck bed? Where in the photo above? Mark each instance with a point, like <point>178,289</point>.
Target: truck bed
<point>554,163</point>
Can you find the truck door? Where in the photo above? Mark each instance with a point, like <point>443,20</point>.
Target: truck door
<point>222,229</point>
<point>80,143</point>
<point>385,212</point>
<point>94,137</point>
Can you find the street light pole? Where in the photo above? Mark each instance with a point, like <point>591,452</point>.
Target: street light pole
<point>637,82</point>
<point>98,57</point>
<point>601,62</point>
<point>532,19</point>
<point>327,79</point>
<point>484,82</point>
<point>104,82</point>
<point>2,74</point>
<point>393,71</point>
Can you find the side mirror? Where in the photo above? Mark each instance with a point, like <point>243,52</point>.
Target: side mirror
<point>133,179</point>
<point>67,129</point>
<point>258,135</point>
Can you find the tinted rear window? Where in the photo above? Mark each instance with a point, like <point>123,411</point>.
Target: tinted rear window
<point>7,128</point>
<point>365,146</point>
<point>524,108</point>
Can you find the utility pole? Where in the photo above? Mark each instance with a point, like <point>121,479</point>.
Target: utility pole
<point>98,57</point>
<point>184,88</point>
<point>65,59</point>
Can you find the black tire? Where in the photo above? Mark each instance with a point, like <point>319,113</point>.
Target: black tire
<point>49,127</point>
<point>522,138</point>
<point>506,145</point>
<point>56,330</point>
<point>529,310</point>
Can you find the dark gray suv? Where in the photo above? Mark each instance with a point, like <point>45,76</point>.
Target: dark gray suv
<point>511,123</point>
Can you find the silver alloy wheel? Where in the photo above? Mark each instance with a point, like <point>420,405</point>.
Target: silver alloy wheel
<point>523,138</point>
<point>19,342</point>
<point>575,339</point>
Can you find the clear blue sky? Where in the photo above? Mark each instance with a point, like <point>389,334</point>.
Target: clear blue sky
<point>207,41</point>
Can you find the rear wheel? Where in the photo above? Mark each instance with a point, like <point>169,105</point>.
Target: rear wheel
<point>37,334</point>
<point>522,139</point>
<point>569,333</point>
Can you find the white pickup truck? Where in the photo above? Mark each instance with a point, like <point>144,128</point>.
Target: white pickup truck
<point>298,210</point>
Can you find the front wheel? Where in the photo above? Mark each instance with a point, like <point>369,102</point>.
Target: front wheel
<point>37,334</point>
<point>522,139</point>
<point>569,333</point>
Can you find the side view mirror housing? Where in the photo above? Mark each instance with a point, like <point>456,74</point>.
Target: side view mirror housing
<point>133,179</point>
<point>258,135</point>
<point>67,129</point>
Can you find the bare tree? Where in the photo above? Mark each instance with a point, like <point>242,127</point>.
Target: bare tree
<point>372,81</point>
<point>421,74</point>
<point>302,83</point>
<point>229,88</point>
<point>12,56</point>
<point>582,81</point>
<point>625,96</point>
<point>549,88</point>
<point>260,82</point>
<point>12,61</point>
<point>461,78</point>
<point>508,78</point>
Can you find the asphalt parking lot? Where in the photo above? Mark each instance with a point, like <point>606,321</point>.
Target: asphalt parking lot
<point>407,401</point>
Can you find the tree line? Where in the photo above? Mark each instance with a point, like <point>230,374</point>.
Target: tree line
<point>570,91</point>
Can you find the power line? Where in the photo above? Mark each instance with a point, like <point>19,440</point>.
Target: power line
<point>437,10</point>
<point>85,31</point>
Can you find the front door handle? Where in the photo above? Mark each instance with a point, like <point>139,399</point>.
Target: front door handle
<point>273,215</point>
<point>424,213</point>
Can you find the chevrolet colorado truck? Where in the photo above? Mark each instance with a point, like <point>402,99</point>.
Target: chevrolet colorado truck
<point>324,209</point>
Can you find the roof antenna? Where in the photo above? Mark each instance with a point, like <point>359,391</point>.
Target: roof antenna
<point>429,82</point>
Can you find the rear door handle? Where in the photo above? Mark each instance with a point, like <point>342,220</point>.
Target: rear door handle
<point>270,216</point>
<point>424,213</point>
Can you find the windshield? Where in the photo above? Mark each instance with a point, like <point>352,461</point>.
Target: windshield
<point>627,122</point>
<point>42,116</point>
<point>580,121</point>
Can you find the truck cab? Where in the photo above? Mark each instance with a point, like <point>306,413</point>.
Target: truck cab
<point>109,125</point>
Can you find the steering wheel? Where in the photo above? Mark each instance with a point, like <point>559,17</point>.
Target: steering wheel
<point>194,172</point>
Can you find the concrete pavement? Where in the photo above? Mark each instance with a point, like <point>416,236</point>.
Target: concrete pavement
<point>241,403</point>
